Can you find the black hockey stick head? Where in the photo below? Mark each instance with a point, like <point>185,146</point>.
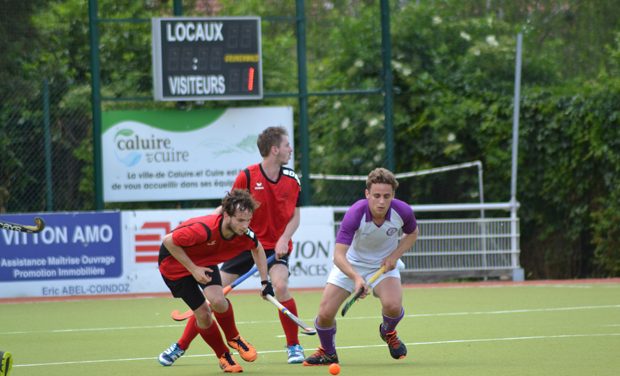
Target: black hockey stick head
<point>38,227</point>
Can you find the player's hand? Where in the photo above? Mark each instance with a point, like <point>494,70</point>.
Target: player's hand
<point>267,289</point>
<point>389,264</point>
<point>360,285</point>
<point>201,275</point>
<point>281,248</point>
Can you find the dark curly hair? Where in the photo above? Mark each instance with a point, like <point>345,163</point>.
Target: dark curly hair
<point>238,199</point>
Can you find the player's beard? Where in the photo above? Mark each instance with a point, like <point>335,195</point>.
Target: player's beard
<point>227,228</point>
<point>238,230</point>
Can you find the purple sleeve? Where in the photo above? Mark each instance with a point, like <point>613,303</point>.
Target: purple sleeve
<point>406,213</point>
<point>351,222</point>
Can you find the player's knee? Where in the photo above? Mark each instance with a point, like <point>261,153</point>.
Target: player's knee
<point>324,319</point>
<point>280,288</point>
<point>219,304</point>
<point>203,318</point>
<point>327,313</point>
<point>392,309</point>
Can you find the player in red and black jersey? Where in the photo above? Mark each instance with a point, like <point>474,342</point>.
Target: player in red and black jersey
<point>277,190</point>
<point>278,195</point>
<point>188,258</point>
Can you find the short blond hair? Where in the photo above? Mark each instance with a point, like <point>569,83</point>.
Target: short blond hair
<point>271,136</point>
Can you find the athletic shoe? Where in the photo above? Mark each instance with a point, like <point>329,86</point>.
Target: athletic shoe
<point>228,364</point>
<point>295,354</point>
<point>246,351</point>
<point>321,358</point>
<point>398,350</point>
<point>170,355</point>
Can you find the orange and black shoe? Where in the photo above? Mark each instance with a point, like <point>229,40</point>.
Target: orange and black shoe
<point>398,350</point>
<point>321,358</point>
<point>228,364</point>
<point>246,351</point>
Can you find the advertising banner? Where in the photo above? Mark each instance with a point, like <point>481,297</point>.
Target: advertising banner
<point>117,252</point>
<point>72,247</point>
<point>309,263</point>
<point>143,235</point>
<point>170,155</point>
<point>313,248</point>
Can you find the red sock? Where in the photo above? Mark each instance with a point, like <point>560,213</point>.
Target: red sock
<point>213,338</point>
<point>227,322</point>
<point>290,328</point>
<point>189,333</point>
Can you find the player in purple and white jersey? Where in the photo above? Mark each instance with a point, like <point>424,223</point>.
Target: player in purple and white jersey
<point>369,238</point>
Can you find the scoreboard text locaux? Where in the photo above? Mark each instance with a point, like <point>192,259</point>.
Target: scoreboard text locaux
<point>207,58</point>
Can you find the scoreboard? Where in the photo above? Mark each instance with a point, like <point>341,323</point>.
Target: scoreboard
<point>206,58</point>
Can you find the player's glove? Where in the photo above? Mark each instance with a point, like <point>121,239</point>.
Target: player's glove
<point>267,288</point>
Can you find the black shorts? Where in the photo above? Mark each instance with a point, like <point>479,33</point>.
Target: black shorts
<point>188,289</point>
<point>243,262</point>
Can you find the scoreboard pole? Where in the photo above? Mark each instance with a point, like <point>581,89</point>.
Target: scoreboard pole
<point>177,7</point>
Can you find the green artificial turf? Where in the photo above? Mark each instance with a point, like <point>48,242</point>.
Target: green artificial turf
<point>571,329</point>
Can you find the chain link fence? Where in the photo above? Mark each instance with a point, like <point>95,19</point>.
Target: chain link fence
<point>46,156</point>
<point>44,146</point>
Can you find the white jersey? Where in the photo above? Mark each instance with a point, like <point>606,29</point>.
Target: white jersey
<point>370,244</point>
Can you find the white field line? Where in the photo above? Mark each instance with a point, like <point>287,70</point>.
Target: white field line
<point>446,342</point>
<point>503,312</point>
<point>556,309</point>
<point>254,322</point>
<point>515,285</point>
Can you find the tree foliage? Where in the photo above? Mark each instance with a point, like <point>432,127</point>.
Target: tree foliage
<point>453,69</point>
<point>455,80</point>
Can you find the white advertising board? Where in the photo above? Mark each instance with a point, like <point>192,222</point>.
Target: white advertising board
<point>117,252</point>
<point>172,155</point>
<point>309,263</point>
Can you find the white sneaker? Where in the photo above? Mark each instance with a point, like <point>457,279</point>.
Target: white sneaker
<point>170,355</point>
<point>295,354</point>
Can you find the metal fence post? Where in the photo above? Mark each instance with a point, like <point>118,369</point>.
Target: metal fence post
<point>517,272</point>
<point>93,25</point>
<point>303,103</point>
<point>49,203</point>
<point>388,84</point>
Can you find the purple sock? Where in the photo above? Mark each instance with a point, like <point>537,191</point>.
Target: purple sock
<point>327,336</point>
<point>389,323</point>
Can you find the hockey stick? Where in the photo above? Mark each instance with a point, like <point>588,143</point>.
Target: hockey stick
<point>181,316</point>
<point>305,329</point>
<point>359,293</point>
<point>39,226</point>
<point>5,363</point>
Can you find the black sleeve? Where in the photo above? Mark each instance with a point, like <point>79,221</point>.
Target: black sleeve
<point>247,179</point>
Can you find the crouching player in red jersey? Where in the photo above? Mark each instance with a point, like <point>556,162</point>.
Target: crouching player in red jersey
<point>277,189</point>
<point>189,256</point>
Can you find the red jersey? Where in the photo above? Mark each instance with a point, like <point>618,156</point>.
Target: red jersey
<point>202,240</point>
<point>278,200</point>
